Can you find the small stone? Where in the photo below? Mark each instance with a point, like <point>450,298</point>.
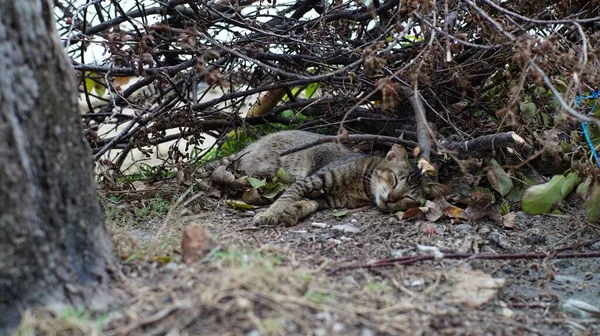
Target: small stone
<point>367,332</point>
<point>440,229</point>
<point>321,332</point>
<point>254,333</point>
<point>484,230</point>
<point>171,267</point>
<point>595,247</point>
<point>338,327</point>
<point>499,239</point>
<point>300,231</point>
<point>324,316</point>
<point>346,228</point>
<point>319,225</point>
<point>392,221</point>
<point>464,227</point>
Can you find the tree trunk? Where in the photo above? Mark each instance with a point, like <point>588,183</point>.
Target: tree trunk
<point>54,247</point>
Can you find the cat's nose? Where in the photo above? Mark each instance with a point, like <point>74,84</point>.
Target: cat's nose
<point>391,198</point>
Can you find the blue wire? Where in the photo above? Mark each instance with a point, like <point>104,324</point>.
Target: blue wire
<point>586,133</point>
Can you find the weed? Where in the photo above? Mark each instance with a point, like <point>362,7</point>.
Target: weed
<point>318,297</point>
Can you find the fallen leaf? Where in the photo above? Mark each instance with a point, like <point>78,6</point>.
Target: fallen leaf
<point>474,288</point>
<point>593,203</point>
<point>478,211</point>
<point>222,175</point>
<point>435,211</point>
<point>284,176</point>
<point>455,213</point>
<point>256,183</point>
<point>409,213</point>
<point>196,243</point>
<point>542,198</point>
<point>584,187</point>
<point>340,212</point>
<point>509,220</point>
<point>239,205</point>
<point>252,196</point>
<point>498,178</point>
<point>569,184</point>
<point>528,108</point>
<point>274,191</point>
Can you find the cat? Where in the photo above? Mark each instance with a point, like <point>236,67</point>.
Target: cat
<point>328,175</point>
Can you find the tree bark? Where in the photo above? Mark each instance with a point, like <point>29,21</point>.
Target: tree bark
<point>54,247</point>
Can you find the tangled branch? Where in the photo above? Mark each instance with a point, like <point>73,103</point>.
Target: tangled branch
<point>452,70</point>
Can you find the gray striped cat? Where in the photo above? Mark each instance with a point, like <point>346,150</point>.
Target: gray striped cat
<point>327,175</point>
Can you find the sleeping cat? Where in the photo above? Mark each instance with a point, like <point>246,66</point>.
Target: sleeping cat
<point>327,175</point>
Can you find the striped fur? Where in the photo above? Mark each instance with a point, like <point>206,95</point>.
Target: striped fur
<point>327,176</point>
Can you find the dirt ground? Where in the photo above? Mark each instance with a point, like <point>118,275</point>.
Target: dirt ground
<point>280,280</point>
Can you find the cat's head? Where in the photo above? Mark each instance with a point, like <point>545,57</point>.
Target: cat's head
<point>397,185</point>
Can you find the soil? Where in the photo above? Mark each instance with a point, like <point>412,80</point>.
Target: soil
<point>282,280</point>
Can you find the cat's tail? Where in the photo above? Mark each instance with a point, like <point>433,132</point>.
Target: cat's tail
<point>207,170</point>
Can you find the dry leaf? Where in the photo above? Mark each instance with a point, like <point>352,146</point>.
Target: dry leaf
<point>434,211</point>
<point>455,213</point>
<point>412,212</point>
<point>474,288</point>
<point>196,243</point>
<point>509,220</point>
<point>475,212</point>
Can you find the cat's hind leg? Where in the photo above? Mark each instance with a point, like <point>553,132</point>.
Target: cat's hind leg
<point>290,207</point>
<point>290,215</point>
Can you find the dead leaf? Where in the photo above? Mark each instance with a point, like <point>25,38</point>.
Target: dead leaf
<point>509,220</point>
<point>474,288</point>
<point>252,196</point>
<point>196,242</point>
<point>412,212</point>
<point>222,176</point>
<point>434,211</point>
<point>455,214</point>
<point>491,211</point>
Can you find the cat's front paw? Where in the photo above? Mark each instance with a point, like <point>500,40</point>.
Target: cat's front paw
<point>265,219</point>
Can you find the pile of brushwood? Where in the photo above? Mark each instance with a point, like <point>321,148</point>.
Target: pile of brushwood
<point>500,96</point>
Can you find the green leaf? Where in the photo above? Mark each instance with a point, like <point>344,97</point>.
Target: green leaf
<point>583,188</point>
<point>256,183</point>
<point>100,89</point>
<point>546,119</point>
<point>239,205</point>
<point>340,212</point>
<point>89,83</point>
<point>288,114</point>
<point>528,108</point>
<point>311,89</point>
<point>498,178</point>
<point>570,182</point>
<point>273,192</point>
<point>284,176</point>
<point>593,204</point>
<point>542,197</point>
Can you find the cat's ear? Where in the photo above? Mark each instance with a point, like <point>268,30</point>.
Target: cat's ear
<point>433,189</point>
<point>397,152</point>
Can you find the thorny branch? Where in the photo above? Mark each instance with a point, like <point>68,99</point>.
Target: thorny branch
<point>151,71</point>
